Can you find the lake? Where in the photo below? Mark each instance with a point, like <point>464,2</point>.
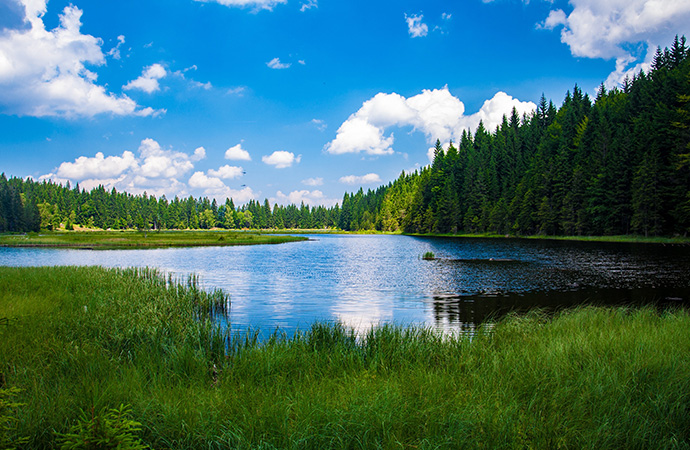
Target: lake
<point>363,280</point>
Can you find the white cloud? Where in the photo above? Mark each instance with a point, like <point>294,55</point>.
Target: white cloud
<point>239,196</point>
<point>276,64</point>
<point>620,29</point>
<point>356,135</point>
<point>318,181</point>
<point>159,163</point>
<point>154,170</point>
<point>309,5</point>
<point>227,172</point>
<point>214,187</point>
<point>202,181</point>
<point>97,167</point>
<point>239,91</point>
<point>281,159</point>
<point>256,4</point>
<point>197,84</point>
<point>320,124</point>
<point>556,17</point>
<point>43,72</point>
<point>415,26</point>
<point>148,81</point>
<point>311,198</point>
<point>199,154</point>
<point>369,178</point>
<point>436,113</point>
<point>237,153</point>
<point>115,51</point>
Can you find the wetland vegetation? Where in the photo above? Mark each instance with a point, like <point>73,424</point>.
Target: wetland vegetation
<point>140,239</point>
<point>79,343</point>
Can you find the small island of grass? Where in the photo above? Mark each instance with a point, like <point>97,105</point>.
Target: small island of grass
<point>108,240</point>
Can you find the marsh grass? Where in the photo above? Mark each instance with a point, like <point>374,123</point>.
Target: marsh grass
<point>134,239</point>
<point>90,339</point>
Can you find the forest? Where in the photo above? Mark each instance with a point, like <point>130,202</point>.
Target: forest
<point>616,164</point>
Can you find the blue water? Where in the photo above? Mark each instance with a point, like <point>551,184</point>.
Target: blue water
<point>366,280</point>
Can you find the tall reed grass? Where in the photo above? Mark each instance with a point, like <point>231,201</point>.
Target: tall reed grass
<point>84,339</point>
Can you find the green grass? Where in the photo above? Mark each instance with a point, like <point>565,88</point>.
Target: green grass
<point>428,255</point>
<point>139,239</point>
<point>77,340</point>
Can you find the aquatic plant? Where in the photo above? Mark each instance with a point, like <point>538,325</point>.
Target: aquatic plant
<point>428,255</point>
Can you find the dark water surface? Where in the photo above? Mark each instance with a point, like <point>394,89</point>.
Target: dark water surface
<point>365,280</point>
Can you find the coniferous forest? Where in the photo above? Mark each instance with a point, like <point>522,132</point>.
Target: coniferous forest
<point>615,164</point>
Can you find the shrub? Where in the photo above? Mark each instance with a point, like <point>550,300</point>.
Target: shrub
<point>108,429</point>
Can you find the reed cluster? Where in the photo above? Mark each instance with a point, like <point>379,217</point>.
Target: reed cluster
<point>77,340</point>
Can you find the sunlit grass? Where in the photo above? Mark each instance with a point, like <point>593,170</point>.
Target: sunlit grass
<point>83,339</point>
<point>140,239</point>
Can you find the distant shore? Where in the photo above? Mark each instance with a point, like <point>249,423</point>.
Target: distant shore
<point>109,240</point>
<point>629,238</point>
<point>129,239</point>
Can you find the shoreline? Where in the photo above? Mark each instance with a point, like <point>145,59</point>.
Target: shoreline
<point>132,240</point>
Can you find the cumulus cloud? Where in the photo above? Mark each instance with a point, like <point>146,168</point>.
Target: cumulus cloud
<point>255,4</point>
<point>318,181</point>
<point>237,153</point>
<point>281,159</point>
<point>154,169</point>
<point>311,198</point>
<point>160,163</point>
<point>369,178</point>
<point>227,172</point>
<point>436,113</point>
<point>97,167</point>
<point>620,30</point>
<point>202,181</point>
<point>148,81</point>
<point>43,72</point>
<point>199,154</point>
<point>276,64</point>
<point>415,26</point>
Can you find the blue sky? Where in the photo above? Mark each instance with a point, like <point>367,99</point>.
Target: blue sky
<point>290,100</point>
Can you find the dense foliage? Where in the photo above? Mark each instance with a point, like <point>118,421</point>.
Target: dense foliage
<point>618,164</point>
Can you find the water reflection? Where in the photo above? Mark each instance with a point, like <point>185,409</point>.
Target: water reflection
<point>366,280</point>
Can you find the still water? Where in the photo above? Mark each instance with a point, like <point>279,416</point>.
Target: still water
<point>366,280</point>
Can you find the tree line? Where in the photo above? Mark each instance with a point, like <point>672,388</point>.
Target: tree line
<point>616,164</point>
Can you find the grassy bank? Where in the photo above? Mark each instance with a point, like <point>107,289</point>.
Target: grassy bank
<point>140,239</point>
<point>78,341</point>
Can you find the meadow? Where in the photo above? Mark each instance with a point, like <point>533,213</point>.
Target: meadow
<point>107,240</point>
<point>136,357</point>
